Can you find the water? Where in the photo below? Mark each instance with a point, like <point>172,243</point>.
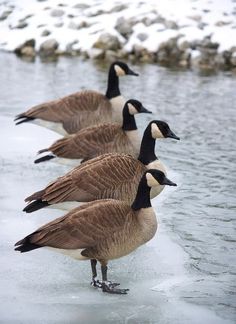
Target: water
<point>188,270</point>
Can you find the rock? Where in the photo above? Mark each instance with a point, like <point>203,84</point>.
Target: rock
<point>69,47</point>
<point>170,24</point>
<point>233,59</point>
<point>45,33</point>
<point>147,58</point>
<point>171,54</point>
<point>207,43</point>
<point>111,56</point>
<point>139,50</point>
<point>20,25</point>
<point>196,18</point>
<point>31,42</point>
<point>142,36</point>
<point>48,48</point>
<point>57,13</point>
<point>26,17</point>
<point>95,53</point>
<point>59,24</point>
<point>81,6</point>
<point>97,13</point>
<point>5,14</point>
<point>202,25</point>
<point>226,55</point>
<point>222,23</point>
<point>81,24</point>
<point>107,42</point>
<point>184,45</point>
<point>124,27</point>
<point>209,58</point>
<point>26,49</point>
<point>119,8</point>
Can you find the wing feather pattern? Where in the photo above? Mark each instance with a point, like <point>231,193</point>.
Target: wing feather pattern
<point>82,227</point>
<point>113,176</point>
<point>88,142</point>
<point>74,111</point>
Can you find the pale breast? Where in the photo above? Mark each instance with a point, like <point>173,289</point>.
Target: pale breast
<point>148,223</point>
<point>135,233</point>
<point>117,104</point>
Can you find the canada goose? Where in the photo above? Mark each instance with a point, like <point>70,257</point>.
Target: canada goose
<point>81,109</point>
<point>110,175</point>
<point>100,139</point>
<point>102,230</point>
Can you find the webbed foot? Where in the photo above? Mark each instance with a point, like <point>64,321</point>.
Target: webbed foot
<point>109,287</point>
<point>96,283</point>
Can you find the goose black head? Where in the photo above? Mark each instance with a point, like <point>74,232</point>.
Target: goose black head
<point>121,68</point>
<point>135,107</point>
<point>156,177</point>
<point>160,129</point>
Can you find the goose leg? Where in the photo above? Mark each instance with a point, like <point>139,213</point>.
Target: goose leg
<point>95,282</point>
<point>108,286</point>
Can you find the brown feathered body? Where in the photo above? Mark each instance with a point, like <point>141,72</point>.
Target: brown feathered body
<point>110,175</point>
<point>96,140</point>
<point>73,112</point>
<point>103,230</point>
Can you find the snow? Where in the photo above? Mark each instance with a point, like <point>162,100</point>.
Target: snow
<point>196,19</point>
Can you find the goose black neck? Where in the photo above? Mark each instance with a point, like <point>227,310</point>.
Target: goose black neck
<point>113,84</point>
<point>147,149</point>
<point>142,199</point>
<point>128,120</point>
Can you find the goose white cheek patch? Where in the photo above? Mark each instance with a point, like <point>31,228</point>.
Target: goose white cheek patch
<point>132,109</point>
<point>119,70</point>
<point>151,181</point>
<point>156,133</point>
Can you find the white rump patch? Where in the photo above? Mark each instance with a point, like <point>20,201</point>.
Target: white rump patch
<point>156,133</point>
<point>69,162</point>
<point>56,127</point>
<point>75,254</point>
<point>119,70</point>
<point>132,109</point>
<point>66,205</point>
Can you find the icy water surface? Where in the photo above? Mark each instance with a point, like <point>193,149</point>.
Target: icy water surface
<point>186,274</point>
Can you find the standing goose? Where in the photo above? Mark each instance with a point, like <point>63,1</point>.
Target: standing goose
<point>102,230</point>
<point>108,176</point>
<point>100,139</point>
<point>81,109</point>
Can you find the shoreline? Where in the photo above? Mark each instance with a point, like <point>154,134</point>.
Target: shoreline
<point>192,35</point>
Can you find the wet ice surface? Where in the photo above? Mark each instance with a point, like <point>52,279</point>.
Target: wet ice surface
<point>187,272</point>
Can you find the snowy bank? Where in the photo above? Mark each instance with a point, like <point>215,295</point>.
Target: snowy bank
<point>181,32</point>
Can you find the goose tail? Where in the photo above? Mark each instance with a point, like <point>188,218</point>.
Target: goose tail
<point>35,205</point>
<point>25,245</point>
<point>20,119</point>
<point>44,158</point>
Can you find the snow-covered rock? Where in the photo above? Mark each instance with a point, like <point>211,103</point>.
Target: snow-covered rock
<point>48,48</point>
<point>77,26</point>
